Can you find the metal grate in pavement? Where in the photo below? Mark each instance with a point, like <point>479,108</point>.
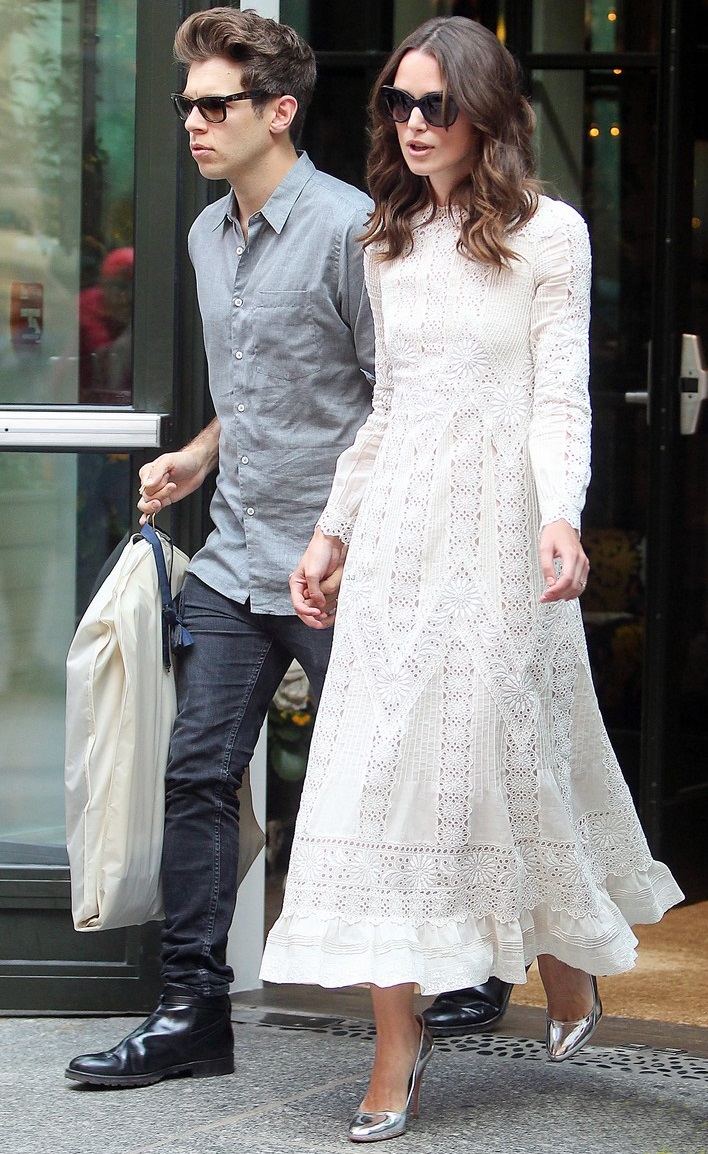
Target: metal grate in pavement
<point>633,1059</point>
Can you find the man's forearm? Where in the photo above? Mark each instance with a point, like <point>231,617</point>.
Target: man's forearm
<point>206,443</point>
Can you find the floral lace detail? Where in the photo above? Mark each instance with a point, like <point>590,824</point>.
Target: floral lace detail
<point>336,523</point>
<point>459,773</point>
<point>431,885</point>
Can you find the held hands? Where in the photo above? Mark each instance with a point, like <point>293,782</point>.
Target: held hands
<point>314,586</point>
<point>560,541</point>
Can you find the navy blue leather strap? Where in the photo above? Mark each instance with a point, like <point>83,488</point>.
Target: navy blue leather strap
<point>174,635</point>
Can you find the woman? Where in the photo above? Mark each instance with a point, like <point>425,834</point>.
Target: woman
<point>463,812</point>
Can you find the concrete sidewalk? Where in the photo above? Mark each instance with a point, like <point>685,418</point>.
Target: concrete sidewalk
<point>300,1076</point>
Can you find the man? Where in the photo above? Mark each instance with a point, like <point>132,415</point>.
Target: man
<point>289,343</point>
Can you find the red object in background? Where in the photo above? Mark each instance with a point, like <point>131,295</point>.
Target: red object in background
<point>26,313</point>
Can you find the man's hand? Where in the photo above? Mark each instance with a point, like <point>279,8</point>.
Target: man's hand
<point>314,586</point>
<point>560,541</point>
<point>173,476</point>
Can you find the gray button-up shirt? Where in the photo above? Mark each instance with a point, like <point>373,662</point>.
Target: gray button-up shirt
<point>290,347</point>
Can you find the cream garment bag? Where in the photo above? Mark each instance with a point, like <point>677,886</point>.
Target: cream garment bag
<point>120,709</point>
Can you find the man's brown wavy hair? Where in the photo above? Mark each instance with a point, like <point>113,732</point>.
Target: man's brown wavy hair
<point>272,56</point>
<point>500,193</point>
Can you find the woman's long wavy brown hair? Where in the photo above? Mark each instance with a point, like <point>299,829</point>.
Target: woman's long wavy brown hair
<point>500,193</point>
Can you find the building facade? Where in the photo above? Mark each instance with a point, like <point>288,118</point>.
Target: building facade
<point>101,364</point>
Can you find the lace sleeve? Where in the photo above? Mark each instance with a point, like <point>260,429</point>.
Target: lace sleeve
<point>559,438</point>
<point>355,463</point>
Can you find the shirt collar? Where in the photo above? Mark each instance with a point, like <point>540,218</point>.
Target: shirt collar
<point>277,208</point>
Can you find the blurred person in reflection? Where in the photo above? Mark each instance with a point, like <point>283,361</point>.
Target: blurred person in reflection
<point>463,812</point>
<point>105,333</point>
<point>105,378</point>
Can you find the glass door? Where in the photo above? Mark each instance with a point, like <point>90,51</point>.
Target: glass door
<point>66,276</point>
<point>621,135</point>
<point>78,401</point>
<point>596,144</point>
<point>676,787</point>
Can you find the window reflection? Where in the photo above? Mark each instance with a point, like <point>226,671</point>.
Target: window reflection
<point>66,155</point>
<point>622,25</point>
<point>67,114</point>
<point>597,151</point>
<point>105,332</point>
<point>62,514</point>
<point>595,25</point>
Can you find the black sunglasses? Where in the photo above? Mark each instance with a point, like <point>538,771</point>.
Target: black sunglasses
<point>212,108</point>
<point>434,108</point>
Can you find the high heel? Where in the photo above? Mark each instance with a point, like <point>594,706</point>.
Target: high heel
<point>563,1039</point>
<point>380,1124</point>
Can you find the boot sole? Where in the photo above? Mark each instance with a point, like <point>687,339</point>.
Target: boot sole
<point>210,1069</point>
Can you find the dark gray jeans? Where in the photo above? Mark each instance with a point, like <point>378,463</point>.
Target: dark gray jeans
<point>225,683</point>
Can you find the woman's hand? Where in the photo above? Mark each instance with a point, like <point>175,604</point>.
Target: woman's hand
<point>559,541</point>
<point>314,586</point>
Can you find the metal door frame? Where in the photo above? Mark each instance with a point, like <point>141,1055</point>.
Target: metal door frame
<point>116,971</point>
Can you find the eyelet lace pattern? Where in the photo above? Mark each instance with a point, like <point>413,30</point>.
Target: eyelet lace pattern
<point>463,810</point>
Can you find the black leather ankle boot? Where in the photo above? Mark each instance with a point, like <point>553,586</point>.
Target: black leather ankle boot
<point>187,1034</point>
<point>468,1011</point>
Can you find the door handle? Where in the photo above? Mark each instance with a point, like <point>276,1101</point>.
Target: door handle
<point>641,397</point>
<point>693,383</point>
<point>67,427</point>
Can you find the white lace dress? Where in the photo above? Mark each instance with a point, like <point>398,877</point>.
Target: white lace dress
<point>463,810</point>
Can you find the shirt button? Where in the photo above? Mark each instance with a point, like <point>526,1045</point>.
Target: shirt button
<point>244,460</point>
<point>238,302</point>
<point>239,250</point>
<point>239,355</point>
<point>240,408</point>
<point>250,511</point>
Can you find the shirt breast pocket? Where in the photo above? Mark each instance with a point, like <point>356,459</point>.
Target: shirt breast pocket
<point>288,340</point>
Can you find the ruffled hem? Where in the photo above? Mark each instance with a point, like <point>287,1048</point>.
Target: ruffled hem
<point>327,951</point>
